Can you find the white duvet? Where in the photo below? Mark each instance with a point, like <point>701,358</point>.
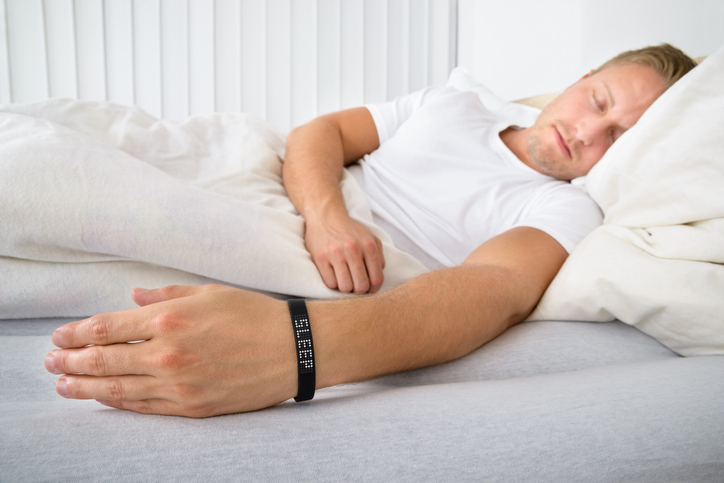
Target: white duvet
<point>96,199</point>
<point>658,261</point>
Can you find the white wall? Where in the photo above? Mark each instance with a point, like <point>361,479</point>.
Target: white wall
<point>520,48</point>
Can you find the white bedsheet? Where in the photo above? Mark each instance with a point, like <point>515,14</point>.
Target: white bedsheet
<point>99,198</point>
<point>658,261</point>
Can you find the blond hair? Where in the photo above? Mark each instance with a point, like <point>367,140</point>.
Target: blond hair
<point>665,59</point>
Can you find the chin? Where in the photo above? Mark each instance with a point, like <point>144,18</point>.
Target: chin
<point>548,164</point>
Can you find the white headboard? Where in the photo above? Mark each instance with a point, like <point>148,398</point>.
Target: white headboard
<point>285,60</point>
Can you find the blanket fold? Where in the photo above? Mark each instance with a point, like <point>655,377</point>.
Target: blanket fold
<point>98,198</point>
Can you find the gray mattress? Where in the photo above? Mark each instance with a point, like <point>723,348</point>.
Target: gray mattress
<point>546,401</point>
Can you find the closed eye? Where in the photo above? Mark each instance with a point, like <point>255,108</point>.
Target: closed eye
<point>597,104</point>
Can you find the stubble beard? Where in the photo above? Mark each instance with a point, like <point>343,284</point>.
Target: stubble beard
<point>543,156</point>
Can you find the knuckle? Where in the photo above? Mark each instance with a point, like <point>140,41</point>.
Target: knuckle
<point>369,245</point>
<point>335,251</point>
<point>330,281</point>
<point>182,392</point>
<point>321,256</point>
<point>362,287</point>
<point>100,328</point>
<point>170,290</point>
<point>170,361</point>
<point>114,389</point>
<point>60,361</point>
<point>143,407</point>
<point>376,281</point>
<point>167,321</point>
<point>96,361</point>
<point>350,245</point>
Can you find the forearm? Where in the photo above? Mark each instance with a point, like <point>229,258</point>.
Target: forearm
<point>347,254</point>
<point>431,319</point>
<point>313,167</point>
<point>214,350</point>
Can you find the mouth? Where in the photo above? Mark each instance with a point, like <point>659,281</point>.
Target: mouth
<point>562,145</point>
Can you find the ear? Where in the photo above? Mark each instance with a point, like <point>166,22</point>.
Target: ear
<point>586,75</point>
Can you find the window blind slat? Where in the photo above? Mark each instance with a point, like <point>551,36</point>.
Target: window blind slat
<point>376,48</point>
<point>253,57</point>
<point>304,55</point>
<point>27,52</point>
<point>352,54</point>
<point>175,59</point>
<point>60,35</point>
<point>328,56</point>
<point>279,62</point>
<point>201,57</point>
<point>90,49</point>
<point>118,25</point>
<point>147,55</point>
<point>227,52</point>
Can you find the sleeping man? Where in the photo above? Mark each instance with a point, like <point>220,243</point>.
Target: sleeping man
<point>466,191</point>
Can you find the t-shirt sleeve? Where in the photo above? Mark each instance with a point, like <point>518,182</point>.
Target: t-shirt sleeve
<point>389,116</point>
<point>565,212</point>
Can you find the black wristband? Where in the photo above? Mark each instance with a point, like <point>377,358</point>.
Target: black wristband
<point>305,350</point>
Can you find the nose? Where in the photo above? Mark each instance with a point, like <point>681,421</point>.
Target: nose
<point>591,130</point>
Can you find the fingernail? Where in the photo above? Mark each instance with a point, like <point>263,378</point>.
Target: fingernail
<point>139,289</point>
<point>51,363</point>
<point>61,387</point>
<point>57,339</point>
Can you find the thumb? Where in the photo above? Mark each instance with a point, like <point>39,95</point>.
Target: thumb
<point>145,297</point>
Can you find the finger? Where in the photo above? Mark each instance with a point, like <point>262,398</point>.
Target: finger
<point>104,329</point>
<point>98,360</point>
<point>326,271</point>
<point>341,270</point>
<point>145,297</point>
<point>374,264</point>
<point>357,269</point>
<point>156,406</point>
<point>117,388</point>
<point>381,251</point>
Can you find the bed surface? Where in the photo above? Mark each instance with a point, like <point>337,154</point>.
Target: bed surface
<point>545,401</point>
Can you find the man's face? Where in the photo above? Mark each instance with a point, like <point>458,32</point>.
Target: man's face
<point>574,131</point>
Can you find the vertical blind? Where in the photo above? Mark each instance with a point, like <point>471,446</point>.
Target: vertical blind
<point>284,60</point>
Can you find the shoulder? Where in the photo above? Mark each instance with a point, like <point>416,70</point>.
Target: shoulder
<point>557,193</point>
<point>564,211</point>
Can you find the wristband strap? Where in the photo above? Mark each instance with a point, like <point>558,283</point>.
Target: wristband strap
<point>305,350</point>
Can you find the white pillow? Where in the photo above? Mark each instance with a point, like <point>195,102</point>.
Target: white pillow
<point>657,262</point>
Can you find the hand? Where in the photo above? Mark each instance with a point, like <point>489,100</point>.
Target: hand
<point>347,254</point>
<point>206,351</point>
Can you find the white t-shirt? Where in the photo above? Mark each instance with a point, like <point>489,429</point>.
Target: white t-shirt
<point>442,181</point>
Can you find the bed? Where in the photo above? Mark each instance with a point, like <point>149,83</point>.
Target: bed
<point>546,401</point>
<point>617,376</point>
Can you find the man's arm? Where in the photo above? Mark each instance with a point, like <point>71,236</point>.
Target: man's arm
<point>438,316</point>
<point>347,254</point>
<point>215,350</point>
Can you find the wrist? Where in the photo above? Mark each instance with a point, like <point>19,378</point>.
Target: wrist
<point>306,367</point>
<point>329,210</point>
<point>345,338</point>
